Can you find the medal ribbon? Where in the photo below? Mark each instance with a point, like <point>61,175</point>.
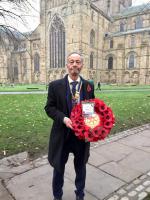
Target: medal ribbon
<point>75,93</point>
<point>74,84</point>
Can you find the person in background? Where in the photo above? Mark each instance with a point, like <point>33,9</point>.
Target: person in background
<point>98,85</point>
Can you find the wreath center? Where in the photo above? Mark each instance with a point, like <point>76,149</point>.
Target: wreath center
<point>92,121</point>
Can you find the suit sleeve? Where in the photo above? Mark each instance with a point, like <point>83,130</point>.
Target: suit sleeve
<point>51,106</point>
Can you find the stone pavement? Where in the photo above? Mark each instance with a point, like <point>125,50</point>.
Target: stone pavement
<point>118,169</point>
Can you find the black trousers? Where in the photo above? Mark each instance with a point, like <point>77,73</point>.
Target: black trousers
<point>77,147</point>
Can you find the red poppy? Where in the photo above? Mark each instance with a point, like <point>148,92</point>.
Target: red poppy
<point>108,124</point>
<point>104,133</point>
<point>108,118</point>
<point>89,88</point>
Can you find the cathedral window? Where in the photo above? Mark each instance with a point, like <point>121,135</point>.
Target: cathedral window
<point>132,41</point>
<point>16,46</point>
<point>36,62</point>
<point>15,70</point>
<point>24,66</point>
<point>111,44</point>
<point>92,16</point>
<point>138,22</point>
<point>122,29</point>
<point>121,5</point>
<point>91,60</point>
<point>110,62</point>
<point>92,38</point>
<point>57,43</point>
<point>131,61</point>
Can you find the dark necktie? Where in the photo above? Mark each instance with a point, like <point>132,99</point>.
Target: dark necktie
<point>74,84</point>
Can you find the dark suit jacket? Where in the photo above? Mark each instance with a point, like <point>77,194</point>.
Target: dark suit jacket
<point>57,108</point>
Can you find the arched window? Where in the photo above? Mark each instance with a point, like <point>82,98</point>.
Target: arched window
<point>110,62</point>
<point>92,38</point>
<point>72,7</point>
<point>24,66</point>
<point>15,70</point>
<point>92,16</point>
<point>111,43</point>
<point>132,44</point>
<point>122,27</point>
<point>131,63</point>
<point>16,46</point>
<point>57,43</point>
<point>138,22</point>
<point>91,60</point>
<point>36,62</point>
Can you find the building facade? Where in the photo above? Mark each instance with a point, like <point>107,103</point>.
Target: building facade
<point>112,35</point>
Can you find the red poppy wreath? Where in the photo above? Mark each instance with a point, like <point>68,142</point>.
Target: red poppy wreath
<point>95,127</point>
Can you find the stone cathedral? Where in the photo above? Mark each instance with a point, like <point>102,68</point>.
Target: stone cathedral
<point>112,35</point>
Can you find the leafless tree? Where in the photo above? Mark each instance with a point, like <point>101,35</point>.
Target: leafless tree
<point>10,10</point>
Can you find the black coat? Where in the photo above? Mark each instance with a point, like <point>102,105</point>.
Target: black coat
<point>57,108</point>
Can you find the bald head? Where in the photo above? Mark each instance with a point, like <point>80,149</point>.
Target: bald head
<point>74,65</point>
<point>74,53</point>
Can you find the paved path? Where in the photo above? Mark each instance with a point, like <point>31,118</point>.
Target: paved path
<point>99,91</point>
<point>31,92</point>
<point>118,169</point>
<point>125,90</point>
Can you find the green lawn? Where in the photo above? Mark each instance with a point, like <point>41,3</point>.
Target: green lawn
<point>24,126</point>
<point>131,109</point>
<point>22,87</point>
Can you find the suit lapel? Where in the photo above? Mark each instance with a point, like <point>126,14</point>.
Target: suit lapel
<point>84,89</point>
<point>66,95</point>
<point>64,91</point>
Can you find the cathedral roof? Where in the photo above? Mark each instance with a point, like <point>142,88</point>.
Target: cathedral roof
<point>6,31</point>
<point>129,32</point>
<point>133,10</point>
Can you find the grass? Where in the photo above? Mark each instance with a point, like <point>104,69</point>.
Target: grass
<point>24,126</point>
<point>22,87</point>
<point>130,108</point>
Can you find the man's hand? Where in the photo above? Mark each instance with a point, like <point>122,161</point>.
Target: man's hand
<point>68,122</point>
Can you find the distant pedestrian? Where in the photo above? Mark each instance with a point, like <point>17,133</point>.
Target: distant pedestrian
<point>98,85</point>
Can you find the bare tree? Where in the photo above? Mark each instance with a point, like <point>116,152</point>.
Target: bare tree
<point>16,11</point>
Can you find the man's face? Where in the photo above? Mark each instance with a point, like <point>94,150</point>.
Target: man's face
<point>74,64</point>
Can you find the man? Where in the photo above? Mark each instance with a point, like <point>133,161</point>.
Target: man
<point>63,94</point>
<point>98,85</point>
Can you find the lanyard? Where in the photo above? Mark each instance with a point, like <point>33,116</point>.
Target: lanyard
<point>77,93</point>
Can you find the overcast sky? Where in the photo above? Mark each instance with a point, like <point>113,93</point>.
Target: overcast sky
<point>138,2</point>
<point>31,18</point>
